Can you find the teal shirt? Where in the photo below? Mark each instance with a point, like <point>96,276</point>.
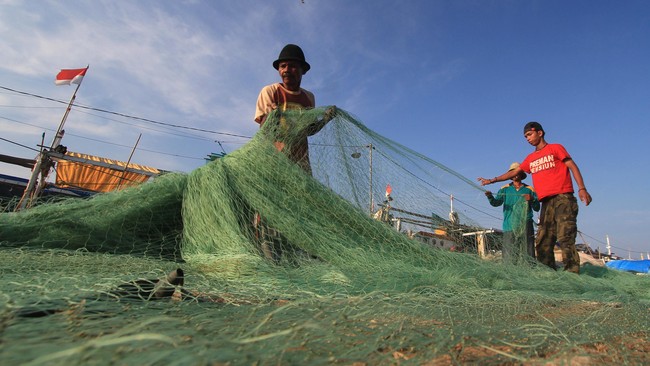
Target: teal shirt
<point>516,211</point>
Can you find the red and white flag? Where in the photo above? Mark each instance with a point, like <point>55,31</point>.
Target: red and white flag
<point>70,76</point>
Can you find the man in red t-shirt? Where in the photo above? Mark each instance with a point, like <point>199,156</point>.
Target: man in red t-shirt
<point>549,166</point>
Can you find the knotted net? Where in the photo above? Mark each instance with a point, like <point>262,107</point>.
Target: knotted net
<point>353,255</point>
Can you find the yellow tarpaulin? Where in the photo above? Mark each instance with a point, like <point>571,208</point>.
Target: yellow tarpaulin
<point>99,174</point>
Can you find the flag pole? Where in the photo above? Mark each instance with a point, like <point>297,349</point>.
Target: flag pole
<point>32,191</point>
<point>65,116</point>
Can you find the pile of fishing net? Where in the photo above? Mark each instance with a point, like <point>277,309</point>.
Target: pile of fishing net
<point>353,255</point>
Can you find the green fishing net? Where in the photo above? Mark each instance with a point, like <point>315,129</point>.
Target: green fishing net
<point>318,242</point>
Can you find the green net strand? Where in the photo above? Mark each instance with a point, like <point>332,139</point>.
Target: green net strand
<point>294,258</point>
<point>515,244</point>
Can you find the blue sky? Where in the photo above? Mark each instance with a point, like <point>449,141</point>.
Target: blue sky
<point>453,80</point>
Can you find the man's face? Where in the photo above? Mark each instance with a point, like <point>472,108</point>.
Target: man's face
<point>291,74</point>
<point>533,137</point>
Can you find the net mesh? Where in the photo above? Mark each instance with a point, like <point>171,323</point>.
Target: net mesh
<point>289,260</point>
<point>515,244</point>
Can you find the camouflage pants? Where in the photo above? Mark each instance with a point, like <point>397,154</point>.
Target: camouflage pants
<point>558,224</point>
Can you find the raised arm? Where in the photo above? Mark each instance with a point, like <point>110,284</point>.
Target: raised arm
<point>318,125</point>
<point>495,201</point>
<point>503,177</point>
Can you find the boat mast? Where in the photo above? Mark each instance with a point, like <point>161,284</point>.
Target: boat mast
<point>43,163</point>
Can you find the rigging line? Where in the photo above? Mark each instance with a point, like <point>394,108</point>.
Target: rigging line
<point>33,95</point>
<point>125,115</point>
<point>592,238</point>
<point>436,188</point>
<point>439,165</point>
<point>149,128</point>
<point>26,107</point>
<point>139,149</point>
<point>411,173</point>
<point>626,250</point>
<point>104,142</point>
<point>25,123</point>
<point>161,123</point>
<point>612,246</point>
<point>21,145</point>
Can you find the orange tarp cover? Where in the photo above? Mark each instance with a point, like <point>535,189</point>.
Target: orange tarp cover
<point>100,178</point>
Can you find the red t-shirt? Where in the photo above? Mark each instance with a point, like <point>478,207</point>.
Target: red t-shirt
<point>550,175</point>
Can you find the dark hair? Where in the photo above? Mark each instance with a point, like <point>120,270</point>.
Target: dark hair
<point>534,126</point>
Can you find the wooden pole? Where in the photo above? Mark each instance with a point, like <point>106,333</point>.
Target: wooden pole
<point>480,244</point>
<point>128,161</point>
<point>36,169</point>
<point>32,191</point>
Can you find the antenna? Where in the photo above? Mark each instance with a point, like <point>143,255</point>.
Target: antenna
<point>453,215</point>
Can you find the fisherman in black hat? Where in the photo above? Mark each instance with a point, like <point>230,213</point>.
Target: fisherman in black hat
<point>288,95</point>
<point>289,135</point>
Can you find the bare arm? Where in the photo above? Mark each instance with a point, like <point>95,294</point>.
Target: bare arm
<point>265,104</point>
<point>582,191</point>
<point>330,113</point>
<point>500,178</point>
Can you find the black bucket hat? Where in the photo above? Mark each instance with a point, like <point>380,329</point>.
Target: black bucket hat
<point>292,52</point>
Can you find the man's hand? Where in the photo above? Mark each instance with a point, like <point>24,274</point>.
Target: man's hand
<point>484,181</point>
<point>330,113</point>
<point>526,197</point>
<point>318,125</point>
<point>585,197</point>
<point>488,194</point>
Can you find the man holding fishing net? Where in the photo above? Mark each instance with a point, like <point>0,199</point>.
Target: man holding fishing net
<point>289,136</point>
<point>549,166</point>
<point>518,200</point>
<point>288,95</point>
